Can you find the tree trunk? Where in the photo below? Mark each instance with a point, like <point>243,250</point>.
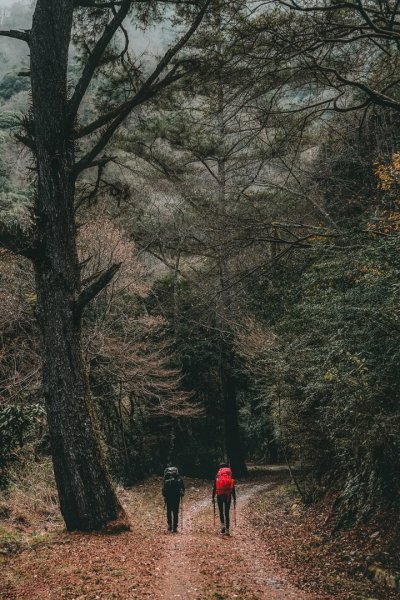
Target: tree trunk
<point>233,441</point>
<point>234,448</point>
<point>87,498</point>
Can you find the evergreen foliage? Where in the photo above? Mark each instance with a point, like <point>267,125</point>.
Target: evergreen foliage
<point>334,373</point>
<point>11,84</point>
<point>248,217</point>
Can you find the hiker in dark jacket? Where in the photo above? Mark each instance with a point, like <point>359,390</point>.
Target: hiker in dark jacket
<point>173,490</point>
<point>224,489</point>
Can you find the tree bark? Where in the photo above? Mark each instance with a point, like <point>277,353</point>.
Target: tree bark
<point>233,442</point>
<point>86,495</point>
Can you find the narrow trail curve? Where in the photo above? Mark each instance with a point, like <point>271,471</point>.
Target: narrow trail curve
<point>201,564</point>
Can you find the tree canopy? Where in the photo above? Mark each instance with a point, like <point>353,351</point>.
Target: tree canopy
<point>199,245</point>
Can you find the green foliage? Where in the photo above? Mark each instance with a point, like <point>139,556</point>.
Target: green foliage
<point>333,373</point>
<point>4,185</point>
<point>14,202</point>
<point>9,120</point>
<point>17,422</point>
<point>11,84</point>
<point>14,205</point>
<point>258,429</point>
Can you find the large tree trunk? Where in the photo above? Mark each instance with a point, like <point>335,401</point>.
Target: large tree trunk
<point>87,498</point>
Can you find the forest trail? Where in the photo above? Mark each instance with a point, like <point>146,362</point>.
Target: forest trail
<point>199,563</point>
<point>272,553</point>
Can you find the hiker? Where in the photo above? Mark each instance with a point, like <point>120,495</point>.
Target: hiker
<point>173,490</point>
<point>224,489</point>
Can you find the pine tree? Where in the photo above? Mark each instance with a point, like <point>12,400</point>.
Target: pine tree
<point>53,131</point>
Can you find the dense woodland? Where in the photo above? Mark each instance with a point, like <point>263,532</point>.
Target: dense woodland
<point>199,230</point>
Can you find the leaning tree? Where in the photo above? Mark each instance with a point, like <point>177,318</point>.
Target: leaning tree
<point>64,145</point>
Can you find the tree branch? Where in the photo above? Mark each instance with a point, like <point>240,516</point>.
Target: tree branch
<point>376,96</point>
<point>24,139</point>
<point>95,58</point>
<point>140,97</point>
<point>92,4</point>
<point>113,4</point>
<point>111,115</point>
<point>94,289</point>
<point>17,35</point>
<point>149,88</point>
<point>357,7</point>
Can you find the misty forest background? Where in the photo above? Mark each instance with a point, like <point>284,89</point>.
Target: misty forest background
<point>252,209</point>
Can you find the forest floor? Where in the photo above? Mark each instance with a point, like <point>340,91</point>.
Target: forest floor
<point>277,550</point>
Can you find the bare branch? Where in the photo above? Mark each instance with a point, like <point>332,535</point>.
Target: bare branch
<point>93,4</point>
<point>94,289</point>
<point>376,96</point>
<point>16,34</point>
<point>115,3</point>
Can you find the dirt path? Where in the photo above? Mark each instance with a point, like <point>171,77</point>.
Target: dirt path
<point>201,564</point>
<point>148,562</point>
<point>179,576</point>
<point>39,560</point>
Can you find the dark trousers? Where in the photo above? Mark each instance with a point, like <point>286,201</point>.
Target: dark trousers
<point>224,506</point>
<point>173,511</point>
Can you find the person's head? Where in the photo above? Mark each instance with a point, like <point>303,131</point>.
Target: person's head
<point>224,466</point>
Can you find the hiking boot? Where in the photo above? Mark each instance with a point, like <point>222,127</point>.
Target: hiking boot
<point>227,532</point>
<point>222,529</point>
<point>175,531</point>
<point>169,527</point>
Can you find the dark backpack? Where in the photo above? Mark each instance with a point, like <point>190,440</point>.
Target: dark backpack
<point>172,485</point>
<point>170,472</point>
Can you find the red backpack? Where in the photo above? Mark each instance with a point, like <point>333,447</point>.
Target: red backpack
<point>224,482</point>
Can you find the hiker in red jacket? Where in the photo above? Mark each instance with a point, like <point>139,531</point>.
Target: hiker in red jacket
<point>224,489</point>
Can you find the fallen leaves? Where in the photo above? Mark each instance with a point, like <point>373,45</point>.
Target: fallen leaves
<point>331,565</point>
<point>274,553</point>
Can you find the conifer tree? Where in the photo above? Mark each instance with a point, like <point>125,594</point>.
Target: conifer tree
<point>63,147</point>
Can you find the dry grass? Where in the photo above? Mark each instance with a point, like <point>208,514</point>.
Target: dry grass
<point>29,510</point>
<point>31,498</point>
<point>28,507</point>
